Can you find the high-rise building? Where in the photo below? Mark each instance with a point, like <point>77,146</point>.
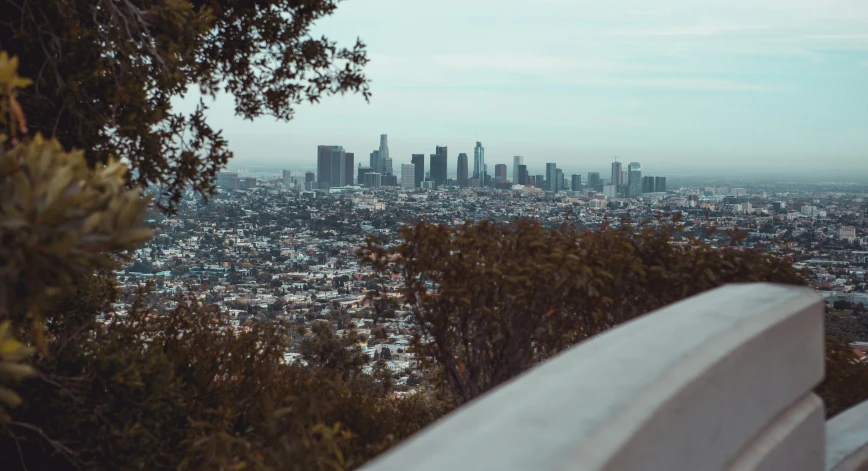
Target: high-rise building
<point>309,177</point>
<point>540,181</point>
<point>384,148</point>
<point>659,184</point>
<point>360,178</point>
<point>478,161</point>
<point>287,177</point>
<point>616,174</point>
<point>438,166</point>
<point>634,178</point>
<point>349,163</point>
<point>552,177</point>
<point>408,176</point>
<point>594,181</point>
<point>387,166</point>
<point>522,175</point>
<point>228,180</point>
<point>500,173</point>
<point>516,175</point>
<point>647,184</point>
<point>338,167</point>
<point>389,180</point>
<point>419,161</point>
<point>561,181</point>
<point>463,180</point>
<point>376,161</point>
<point>576,184</point>
<point>324,164</point>
<point>373,180</point>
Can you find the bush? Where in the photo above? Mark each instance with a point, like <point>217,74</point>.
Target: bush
<point>491,300</point>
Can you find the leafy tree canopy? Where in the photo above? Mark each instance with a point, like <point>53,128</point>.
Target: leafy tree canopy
<point>106,72</point>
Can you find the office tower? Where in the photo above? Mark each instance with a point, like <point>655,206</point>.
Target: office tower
<point>376,161</point>
<point>309,177</point>
<point>228,180</point>
<point>419,161</point>
<point>552,177</point>
<point>438,166</point>
<point>462,170</point>
<point>478,161</point>
<point>248,183</point>
<point>372,180</point>
<point>338,167</point>
<point>500,172</point>
<point>522,175</point>
<point>324,164</point>
<point>576,183</point>
<point>531,180</point>
<point>408,176</point>
<point>384,147</point>
<point>647,184</point>
<point>389,180</point>
<point>659,184</point>
<point>349,163</point>
<point>360,178</point>
<point>634,178</point>
<point>560,175</point>
<point>516,175</point>
<point>287,177</point>
<point>387,166</point>
<point>616,174</point>
<point>594,181</point>
<point>540,181</point>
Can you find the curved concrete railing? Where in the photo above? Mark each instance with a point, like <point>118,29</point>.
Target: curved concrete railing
<point>847,440</point>
<point>719,381</point>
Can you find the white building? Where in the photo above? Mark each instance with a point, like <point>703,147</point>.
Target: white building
<point>408,176</point>
<point>847,233</point>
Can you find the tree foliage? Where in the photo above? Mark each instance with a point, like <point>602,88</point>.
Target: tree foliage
<point>491,300</point>
<point>106,74</point>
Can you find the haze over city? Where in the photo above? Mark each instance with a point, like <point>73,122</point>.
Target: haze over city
<point>764,86</point>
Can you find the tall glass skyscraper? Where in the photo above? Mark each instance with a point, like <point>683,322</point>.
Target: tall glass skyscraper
<point>516,176</point>
<point>479,161</point>
<point>419,161</point>
<point>462,170</point>
<point>438,166</point>
<point>616,173</point>
<point>552,177</point>
<point>634,178</point>
<point>384,147</point>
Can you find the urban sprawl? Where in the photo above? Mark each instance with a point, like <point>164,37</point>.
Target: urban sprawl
<point>283,245</point>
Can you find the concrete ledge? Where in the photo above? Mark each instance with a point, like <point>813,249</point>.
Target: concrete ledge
<point>795,440</point>
<point>687,387</point>
<point>847,440</point>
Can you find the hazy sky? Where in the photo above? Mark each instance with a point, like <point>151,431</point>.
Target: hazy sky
<point>753,84</point>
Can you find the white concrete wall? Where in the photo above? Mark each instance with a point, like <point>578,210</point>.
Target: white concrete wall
<point>847,440</point>
<point>719,381</point>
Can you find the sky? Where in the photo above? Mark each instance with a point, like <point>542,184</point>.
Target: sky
<point>679,85</point>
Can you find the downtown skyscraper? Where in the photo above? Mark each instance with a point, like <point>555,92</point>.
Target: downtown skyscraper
<point>384,152</point>
<point>462,176</point>
<point>634,178</point>
<point>479,161</point>
<point>552,177</point>
<point>516,161</point>
<point>438,166</point>
<point>419,161</point>
<point>616,173</point>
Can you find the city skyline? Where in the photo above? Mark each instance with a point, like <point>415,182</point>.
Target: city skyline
<point>686,87</point>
